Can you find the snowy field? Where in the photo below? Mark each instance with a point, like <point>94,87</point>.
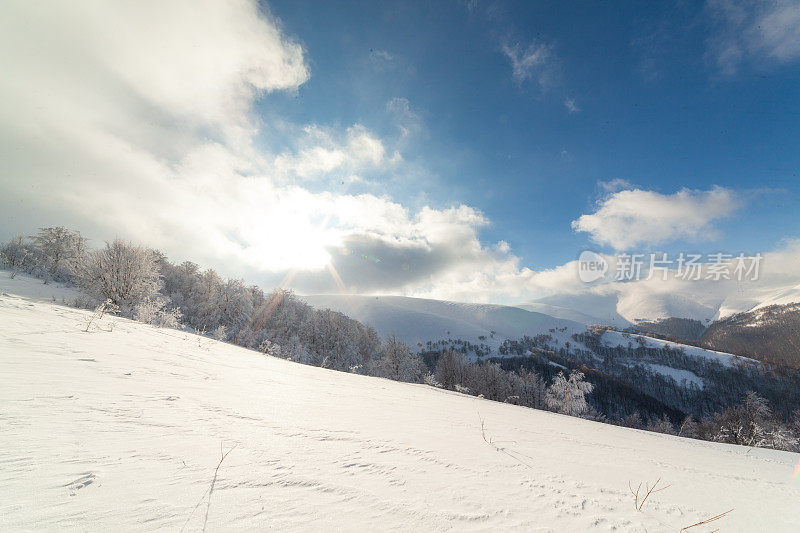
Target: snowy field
<point>121,429</point>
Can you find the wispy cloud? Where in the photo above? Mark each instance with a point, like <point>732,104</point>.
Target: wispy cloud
<point>614,185</point>
<point>749,31</point>
<point>535,62</point>
<point>571,106</point>
<point>382,60</point>
<point>404,116</point>
<point>322,152</point>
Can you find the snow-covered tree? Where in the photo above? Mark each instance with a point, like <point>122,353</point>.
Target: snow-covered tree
<point>568,396</point>
<point>15,253</point>
<point>689,428</point>
<point>61,250</point>
<point>121,272</point>
<point>662,425</point>
<point>491,381</point>
<point>154,311</point>
<point>533,390</point>
<point>748,425</point>
<point>398,362</point>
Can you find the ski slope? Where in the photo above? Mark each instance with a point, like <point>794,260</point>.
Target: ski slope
<point>121,428</point>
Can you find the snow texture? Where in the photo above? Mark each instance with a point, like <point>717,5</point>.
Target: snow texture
<point>123,429</point>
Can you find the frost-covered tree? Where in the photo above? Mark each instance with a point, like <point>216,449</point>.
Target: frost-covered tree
<point>533,391</point>
<point>121,272</point>
<point>61,251</point>
<point>154,311</point>
<point>753,423</point>
<point>747,424</point>
<point>662,425</point>
<point>15,253</point>
<point>568,396</point>
<point>491,381</point>
<point>398,362</point>
<point>689,428</point>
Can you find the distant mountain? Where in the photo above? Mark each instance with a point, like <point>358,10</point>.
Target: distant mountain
<point>418,320</point>
<point>679,329</point>
<point>761,323</point>
<point>768,333</point>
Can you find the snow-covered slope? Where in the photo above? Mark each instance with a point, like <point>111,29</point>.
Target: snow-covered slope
<point>121,429</point>
<point>416,320</point>
<point>616,338</point>
<point>587,308</point>
<point>787,296</point>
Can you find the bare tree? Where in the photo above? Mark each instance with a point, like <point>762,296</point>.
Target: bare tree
<point>451,369</point>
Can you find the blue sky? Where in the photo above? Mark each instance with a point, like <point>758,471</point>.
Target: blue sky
<point>654,108</point>
<point>458,150</point>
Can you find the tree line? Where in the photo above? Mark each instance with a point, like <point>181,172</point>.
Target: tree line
<point>142,284</point>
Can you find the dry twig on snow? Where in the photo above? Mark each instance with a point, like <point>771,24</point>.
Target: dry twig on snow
<point>713,518</point>
<point>636,504</point>
<point>209,491</point>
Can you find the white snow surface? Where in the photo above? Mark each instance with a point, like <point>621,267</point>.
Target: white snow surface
<point>782,297</point>
<point>415,320</point>
<point>121,431</point>
<point>679,375</point>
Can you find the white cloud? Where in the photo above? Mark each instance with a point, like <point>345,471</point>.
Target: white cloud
<point>534,62</point>
<point>320,153</point>
<point>154,139</point>
<point>614,185</point>
<point>571,106</point>
<point>382,55</point>
<point>704,298</point>
<point>636,217</point>
<point>408,122</point>
<point>752,31</point>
